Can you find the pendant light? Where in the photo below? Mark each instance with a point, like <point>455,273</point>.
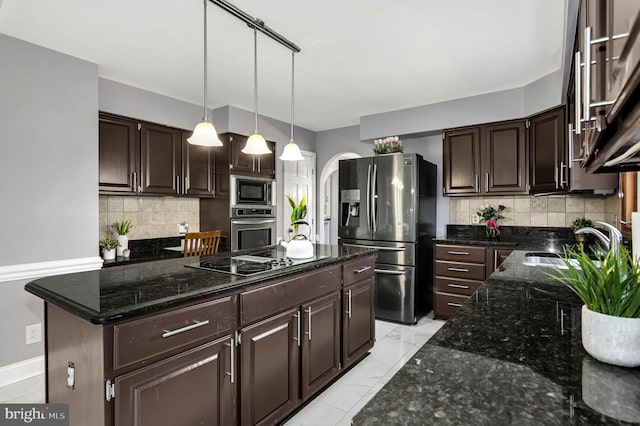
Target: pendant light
<point>291,151</point>
<point>256,144</point>
<point>205,134</point>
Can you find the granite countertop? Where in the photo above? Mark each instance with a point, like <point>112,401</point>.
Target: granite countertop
<point>511,355</point>
<point>119,292</point>
<point>521,237</point>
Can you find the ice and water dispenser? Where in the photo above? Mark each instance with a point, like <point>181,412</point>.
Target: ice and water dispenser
<point>350,207</point>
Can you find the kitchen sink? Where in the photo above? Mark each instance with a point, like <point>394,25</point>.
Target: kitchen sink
<point>552,260</point>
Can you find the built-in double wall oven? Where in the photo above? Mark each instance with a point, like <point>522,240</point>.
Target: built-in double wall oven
<point>253,212</point>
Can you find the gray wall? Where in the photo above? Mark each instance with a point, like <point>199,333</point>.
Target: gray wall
<point>48,174</point>
<point>543,93</point>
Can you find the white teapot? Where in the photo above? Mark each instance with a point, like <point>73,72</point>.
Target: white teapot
<point>299,247</point>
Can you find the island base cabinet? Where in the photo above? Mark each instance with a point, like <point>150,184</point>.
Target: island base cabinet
<point>320,343</point>
<point>163,393</point>
<point>358,323</point>
<point>269,364</point>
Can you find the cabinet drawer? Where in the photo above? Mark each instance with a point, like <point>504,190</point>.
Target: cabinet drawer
<point>145,338</point>
<point>472,271</point>
<point>470,254</point>
<point>358,270</point>
<point>448,304</point>
<point>271,299</point>
<point>456,286</point>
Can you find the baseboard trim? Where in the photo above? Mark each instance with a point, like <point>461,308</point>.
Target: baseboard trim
<point>23,370</point>
<point>42,269</point>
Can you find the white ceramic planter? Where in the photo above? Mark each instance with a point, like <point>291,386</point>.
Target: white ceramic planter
<point>124,243</point>
<point>614,340</point>
<point>109,254</point>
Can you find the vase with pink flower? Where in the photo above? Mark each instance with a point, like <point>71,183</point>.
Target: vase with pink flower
<point>490,215</point>
<point>387,145</point>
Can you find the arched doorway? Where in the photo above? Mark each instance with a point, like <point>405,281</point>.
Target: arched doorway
<point>327,195</point>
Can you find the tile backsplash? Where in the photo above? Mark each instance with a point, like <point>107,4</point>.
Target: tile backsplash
<point>550,210</point>
<point>152,217</point>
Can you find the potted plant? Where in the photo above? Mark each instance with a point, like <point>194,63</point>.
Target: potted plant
<point>387,145</point>
<point>578,223</point>
<point>299,211</point>
<point>489,215</point>
<point>108,246</point>
<point>610,292</point>
<point>122,229</point>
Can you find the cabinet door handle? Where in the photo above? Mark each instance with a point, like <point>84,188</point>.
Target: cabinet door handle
<point>487,183</point>
<point>457,305</point>
<point>361,270</point>
<point>458,253</point>
<point>578,95</point>
<point>477,184</point>
<point>495,260</point>
<point>587,74</point>
<point>177,184</point>
<point>183,329</point>
<point>562,182</point>
<point>457,285</point>
<point>135,181</point>
<point>458,269</point>
<point>309,333</point>
<point>349,303</point>
<point>232,346</point>
<point>185,182</point>
<point>297,317</point>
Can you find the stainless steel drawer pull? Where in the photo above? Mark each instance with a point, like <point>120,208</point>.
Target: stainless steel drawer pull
<point>384,271</point>
<point>458,286</point>
<point>458,269</point>
<point>361,270</point>
<point>309,333</point>
<point>183,329</point>
<point>458,253</point>
<point>232,355</point>
<point>457,305</point>
<point>349,304</point>
<point>297,317</point>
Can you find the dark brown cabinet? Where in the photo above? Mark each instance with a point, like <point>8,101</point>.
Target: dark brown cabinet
<point>461,154</point>
<point>358,327</point>
<point>119,153</point>
<point>458,272</point>
<point>251,165</point>
<point>488,159</point>
<point>320,343</point>
<point>138,157</point>
<point>269,362</point>
<point>160,159</point>
<point>161,393</point>
<point>548,168</point>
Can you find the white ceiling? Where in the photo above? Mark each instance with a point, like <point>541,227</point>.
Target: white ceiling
<point>359,57</point>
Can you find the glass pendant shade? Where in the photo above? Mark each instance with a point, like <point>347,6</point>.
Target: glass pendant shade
<point>291,152</point>
<point>204,135</point>
<point>256,145</point>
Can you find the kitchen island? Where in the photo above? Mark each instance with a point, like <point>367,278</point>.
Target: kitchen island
<point>511,355</point>
<point>169,342</point>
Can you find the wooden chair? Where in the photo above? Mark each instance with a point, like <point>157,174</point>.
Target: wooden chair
<point>201,243</point>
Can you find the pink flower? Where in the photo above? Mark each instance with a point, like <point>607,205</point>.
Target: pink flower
<point>492,224</point>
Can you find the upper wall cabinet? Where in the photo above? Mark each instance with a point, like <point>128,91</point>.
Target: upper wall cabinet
<point>488,159</point>
<point>119,154</point>
<point>144,158</point>
<point>548,169</point>
<point>251,165</point>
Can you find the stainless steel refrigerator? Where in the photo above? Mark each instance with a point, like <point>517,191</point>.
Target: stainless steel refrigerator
<point>389,202</point>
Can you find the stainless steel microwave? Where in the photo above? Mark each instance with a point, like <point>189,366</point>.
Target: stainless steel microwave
<point>252,191</point>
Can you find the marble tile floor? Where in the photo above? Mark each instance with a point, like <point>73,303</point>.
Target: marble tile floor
<point>395,345</point>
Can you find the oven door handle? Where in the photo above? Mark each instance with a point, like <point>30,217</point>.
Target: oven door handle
<point>252,222</point>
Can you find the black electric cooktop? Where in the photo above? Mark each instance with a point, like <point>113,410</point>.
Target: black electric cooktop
<point>248,265</point>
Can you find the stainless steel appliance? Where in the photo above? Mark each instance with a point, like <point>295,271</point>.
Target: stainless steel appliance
<point>251,191</point>
<point>388,202</point>
<point>253,227</point>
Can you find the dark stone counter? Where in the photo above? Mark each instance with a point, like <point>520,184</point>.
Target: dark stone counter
<point>119,292</point>
<point>512,355</point>
<point>521,237</point>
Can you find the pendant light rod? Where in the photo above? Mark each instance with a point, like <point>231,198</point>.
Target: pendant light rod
<point>255,78</point>
<point>293,57</point>
<point>205,61</point>
<point>255,23</point>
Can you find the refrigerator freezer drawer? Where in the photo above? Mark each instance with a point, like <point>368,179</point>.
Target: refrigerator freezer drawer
<point>395,293</point>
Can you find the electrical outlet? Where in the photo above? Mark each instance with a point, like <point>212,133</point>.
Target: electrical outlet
<point>475,218</point>
<point>33,334</point>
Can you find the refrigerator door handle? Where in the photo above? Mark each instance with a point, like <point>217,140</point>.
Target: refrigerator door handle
<point>374,196</point>
<point>369,197</point>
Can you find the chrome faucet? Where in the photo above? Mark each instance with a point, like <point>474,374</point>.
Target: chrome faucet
<point>612,243</point>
